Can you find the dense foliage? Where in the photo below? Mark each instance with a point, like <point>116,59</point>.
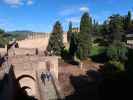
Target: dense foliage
<point>104,43</point>
<point>3,38</point>
<point>117,52</point>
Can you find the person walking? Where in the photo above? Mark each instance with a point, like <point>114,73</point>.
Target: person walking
<point>48,75</point>
<point>43,77</point>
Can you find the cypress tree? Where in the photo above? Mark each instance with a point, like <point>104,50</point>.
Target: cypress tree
<point>128,23</point>
<point>129,15</point>
<point>84,39</point>
<point>69,33</point>
<point>55,44</point>
<point>105,32</point>
<point>73,45</point>
<point>95,28</point>
<point>116,27</point>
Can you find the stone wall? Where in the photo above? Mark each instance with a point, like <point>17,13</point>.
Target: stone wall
<point>38,42</point>
<point>53,64</point>
<point>27,65</point>
<point>21,52</point>
<point>24,51</point>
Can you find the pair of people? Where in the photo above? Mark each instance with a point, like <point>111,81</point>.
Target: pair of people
<point>45,76</point>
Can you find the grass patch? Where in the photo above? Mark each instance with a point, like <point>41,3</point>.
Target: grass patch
<point>97,50</point>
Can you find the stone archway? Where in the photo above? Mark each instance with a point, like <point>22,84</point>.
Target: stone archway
<point>25,87</point>
<point>25,75</point>
<point>27,83</point>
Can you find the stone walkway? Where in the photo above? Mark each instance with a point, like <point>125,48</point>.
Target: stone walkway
<point>50,91</point>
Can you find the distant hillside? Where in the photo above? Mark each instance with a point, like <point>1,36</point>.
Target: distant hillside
<point>20,35</point>
<point>23,32</point>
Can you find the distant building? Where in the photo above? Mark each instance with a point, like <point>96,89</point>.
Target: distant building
<point>129,39</point>
<point>65,39</point>
<point>75,30</point>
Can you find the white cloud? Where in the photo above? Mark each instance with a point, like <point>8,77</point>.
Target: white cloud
<point>16,3</point>
<point>13,2</point>
<point>29,2</point>
<point>73,10</point>
<point>84,9</point>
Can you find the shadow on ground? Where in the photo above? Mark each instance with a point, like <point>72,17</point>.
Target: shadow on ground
<point>96,85</point>
<point>101,58</point>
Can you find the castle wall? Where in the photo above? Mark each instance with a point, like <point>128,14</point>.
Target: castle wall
<point>38,42</point>
<point>24,51</point>
<point>21,51</point>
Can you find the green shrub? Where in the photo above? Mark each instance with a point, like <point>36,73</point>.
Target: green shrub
<point>101,42</point>
<point>117,52</point>
<point>65,53</point>
<point>79,54</point>
<point>113,70</point>
<point>97,50</point>
<point>3,41</point>
<point>119,65</point>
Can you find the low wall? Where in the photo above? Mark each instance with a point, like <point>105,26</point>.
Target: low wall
<point>53,61</point>
<point>21,51</point>
<point>42,85</point>
<point>25,51</point>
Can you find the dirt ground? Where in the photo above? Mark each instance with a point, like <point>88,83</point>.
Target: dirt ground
<point>68,70</point>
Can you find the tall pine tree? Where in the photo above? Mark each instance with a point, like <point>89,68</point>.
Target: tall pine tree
<point>69,33</point>
<point>84,39</point>
<point>105,32</point>
<point>116,27</point>
<point>73,45</point>
<point>55,44</point>
<point>95,28</point>
<point>128,25</point>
